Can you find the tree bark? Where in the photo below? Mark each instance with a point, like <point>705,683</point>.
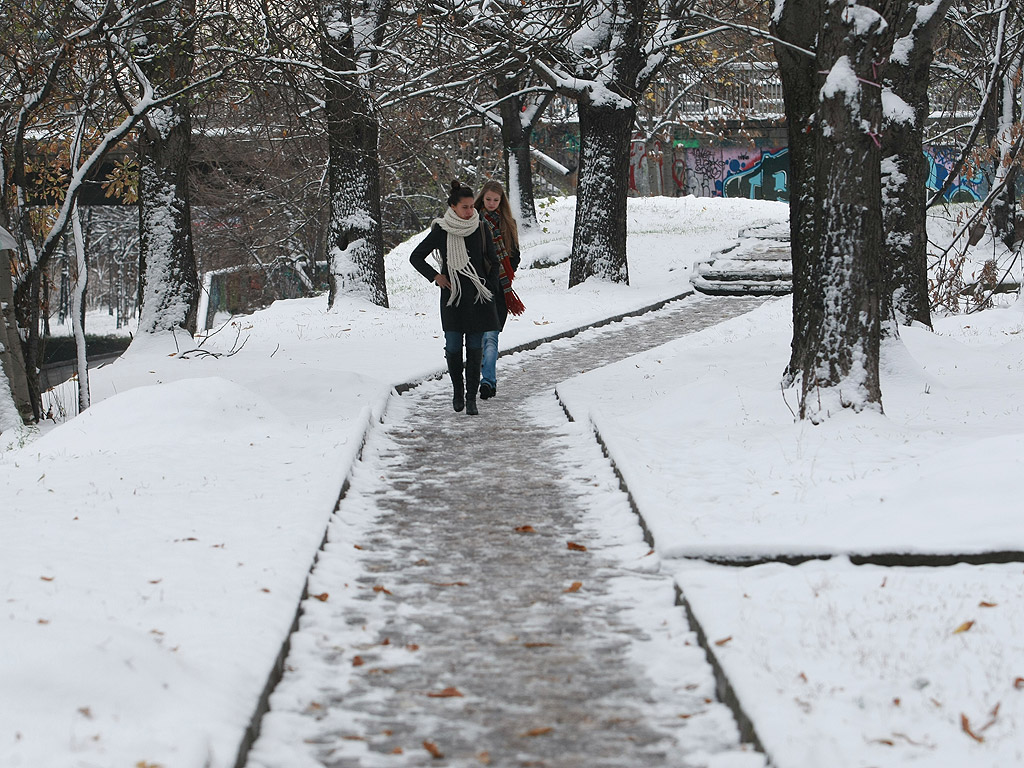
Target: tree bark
<point>836,332</point>
<point>905,169</point>
<point>167,268</point>
<point>798,25</point>
<point>516,141</point>
<point>1005,212</point>
<point>599,233</point>
<point>355,241</point>
<point>15,393</point>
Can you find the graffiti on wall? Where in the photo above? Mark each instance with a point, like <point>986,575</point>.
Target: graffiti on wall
<point>766,178</point>
<point>965,188</point>
<point>763,174</point>
<point>756,174</point>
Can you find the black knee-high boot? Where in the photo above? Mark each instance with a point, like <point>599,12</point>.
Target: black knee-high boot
<point>473,360</point>
<point>455,371</point>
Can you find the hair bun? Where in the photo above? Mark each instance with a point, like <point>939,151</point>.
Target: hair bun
<point>457,185</point>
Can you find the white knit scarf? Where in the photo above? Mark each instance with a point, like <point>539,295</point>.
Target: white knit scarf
<point>458,230</point>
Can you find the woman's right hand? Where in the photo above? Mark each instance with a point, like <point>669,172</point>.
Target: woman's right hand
<point>442,281</point>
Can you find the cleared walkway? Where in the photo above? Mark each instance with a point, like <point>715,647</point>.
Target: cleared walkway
<point>486,596</point>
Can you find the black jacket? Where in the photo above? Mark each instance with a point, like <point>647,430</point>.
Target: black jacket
<point>469,315</point>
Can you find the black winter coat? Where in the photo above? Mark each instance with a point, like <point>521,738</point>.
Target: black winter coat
<point>469,315</point>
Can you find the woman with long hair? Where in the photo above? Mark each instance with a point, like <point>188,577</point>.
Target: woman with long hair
<point>469,283</point>
<point>492,203</point>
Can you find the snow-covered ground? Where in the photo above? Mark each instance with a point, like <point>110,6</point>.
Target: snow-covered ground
<point>155,547</point>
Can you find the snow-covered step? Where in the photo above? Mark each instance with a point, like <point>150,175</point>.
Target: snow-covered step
<point>759,263</point>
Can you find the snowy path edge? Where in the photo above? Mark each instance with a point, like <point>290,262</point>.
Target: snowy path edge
<point>724,689</point>
<point>252,730</point>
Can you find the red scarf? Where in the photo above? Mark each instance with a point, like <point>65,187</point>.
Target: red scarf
<point>505,273</point>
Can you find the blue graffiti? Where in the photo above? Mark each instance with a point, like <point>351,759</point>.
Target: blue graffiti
<point>767,178</point>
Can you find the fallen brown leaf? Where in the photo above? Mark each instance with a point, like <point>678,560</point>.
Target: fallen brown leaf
<point>551,645</point>
<point>574,587</point>
<point>412,647</point>
<point>322,597</point>
<point>396,751</point>
<point>963,627</point>
<point>357,661</point>
<point>539,731</point>
<point>431,747</point>
<point>447,584</point>
<point>525,529</point>
<point>987,604</point>
<point>723,641</point>
<point>47,578</point>
<point>484,758</point>
<point>576,547</point>
<point>381,588</point>
<point>965,724</point>
<point>1018,683</point>
<point>447,693</point>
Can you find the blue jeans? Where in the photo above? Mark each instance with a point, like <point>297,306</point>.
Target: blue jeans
<point>488,371</point>
<point>453,342</point>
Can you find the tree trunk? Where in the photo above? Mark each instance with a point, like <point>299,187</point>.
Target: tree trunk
<point>599,234</point>
<point>355,242</point>
<point>1005,211</point>
<point>78,310</point>
<point>15,392</point>
<point>169,281</point>
<point>837,325</point>
<point>516,140</point>
<point>905,170</point>
<point>798,25</point>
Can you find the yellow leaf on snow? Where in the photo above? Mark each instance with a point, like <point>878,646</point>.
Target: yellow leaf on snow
<point>963,627</point>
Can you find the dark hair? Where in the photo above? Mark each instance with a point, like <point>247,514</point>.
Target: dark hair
<point>459,191</point>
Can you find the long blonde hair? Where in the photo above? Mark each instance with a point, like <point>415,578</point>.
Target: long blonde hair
<point>509,229</point>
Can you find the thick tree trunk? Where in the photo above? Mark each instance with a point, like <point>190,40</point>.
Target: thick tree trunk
<point>798,25</point>
<point>836,330</point>
<point>355,241</point>
<point>167,269</point>
<point>599,234</point>
<point>516,141</point>
<point>905,170</point>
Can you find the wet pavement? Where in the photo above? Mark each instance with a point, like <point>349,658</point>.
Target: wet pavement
<point>486,596</point>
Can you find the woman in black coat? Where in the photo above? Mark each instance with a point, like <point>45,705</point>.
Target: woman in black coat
<point>469,283</point>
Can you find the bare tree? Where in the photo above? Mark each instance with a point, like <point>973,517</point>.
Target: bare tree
<point>905,83</point>
<point>351,34</point>
<point>169,282</point>
<point>829,54</point>
<point>602,54</point>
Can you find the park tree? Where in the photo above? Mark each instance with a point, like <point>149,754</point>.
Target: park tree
<point>980,70</point>
<point>602,54</point>
<point>351,34</point>
<point>905,82</point>
<point>520,108</point>
<point>829,55</point>
<point>164,55</point>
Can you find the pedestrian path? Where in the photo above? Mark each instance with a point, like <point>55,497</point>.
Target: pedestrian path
<point>486,596</point>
